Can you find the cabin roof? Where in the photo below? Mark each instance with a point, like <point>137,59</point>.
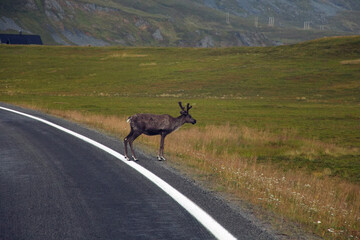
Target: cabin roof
<point>20,39</point>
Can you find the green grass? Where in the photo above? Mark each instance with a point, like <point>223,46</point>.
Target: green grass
<point>277,126</point>
<point>303,88</point>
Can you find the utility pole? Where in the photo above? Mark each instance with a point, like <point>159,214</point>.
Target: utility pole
<point>228,18</point>
<point>306,25</point>
<point>271,21</point>
<point>256,22</point>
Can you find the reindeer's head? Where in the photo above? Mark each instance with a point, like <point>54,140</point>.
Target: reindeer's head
<point>185,113</point>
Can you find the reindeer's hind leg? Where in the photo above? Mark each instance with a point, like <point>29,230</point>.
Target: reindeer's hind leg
<point>131,140</point>
<point>126,140</point>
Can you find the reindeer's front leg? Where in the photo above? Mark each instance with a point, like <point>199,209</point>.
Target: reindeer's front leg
<point>161,150</point>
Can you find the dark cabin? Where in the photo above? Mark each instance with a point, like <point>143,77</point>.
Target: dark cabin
<point>20,39</point>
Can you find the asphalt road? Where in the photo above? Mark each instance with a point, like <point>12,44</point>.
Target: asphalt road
<point>55,186</point>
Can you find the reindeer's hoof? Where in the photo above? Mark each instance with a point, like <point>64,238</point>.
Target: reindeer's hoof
<point>135,159</point>
<point>161,158</point>
<point>127,158</point>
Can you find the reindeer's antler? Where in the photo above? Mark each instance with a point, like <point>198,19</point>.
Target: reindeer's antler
<point>182,108</point>
<point>188,107</point>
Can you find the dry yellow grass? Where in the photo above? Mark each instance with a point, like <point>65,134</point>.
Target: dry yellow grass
<point>148,64</point>
<point>329,205</point>
<point>133,55</point>
<point>326,205</point>
<point>123,55</point>
<point>354,61</point>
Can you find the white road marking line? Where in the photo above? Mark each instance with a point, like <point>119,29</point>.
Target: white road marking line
<point>204,218</point>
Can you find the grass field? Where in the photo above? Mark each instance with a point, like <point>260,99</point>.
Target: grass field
<point>277,126</point>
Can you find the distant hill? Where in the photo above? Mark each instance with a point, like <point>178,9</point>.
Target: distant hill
<point>198,23</point>
<point>322,17</point>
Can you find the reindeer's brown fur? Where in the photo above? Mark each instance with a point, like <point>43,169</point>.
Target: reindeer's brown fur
<point>151,124</point>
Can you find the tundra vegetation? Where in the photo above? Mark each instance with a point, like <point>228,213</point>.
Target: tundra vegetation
<point>278,127</point>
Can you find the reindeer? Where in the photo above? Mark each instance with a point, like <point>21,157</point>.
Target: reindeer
<point>151,124</point>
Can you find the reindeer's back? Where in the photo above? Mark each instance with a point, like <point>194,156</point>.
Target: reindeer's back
<point>150,123</point>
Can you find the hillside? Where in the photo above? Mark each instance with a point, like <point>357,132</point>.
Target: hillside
<point>331,14</point>
<point>201,23</point>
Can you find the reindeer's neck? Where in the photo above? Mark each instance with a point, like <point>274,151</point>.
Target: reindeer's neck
<point>179,121</point>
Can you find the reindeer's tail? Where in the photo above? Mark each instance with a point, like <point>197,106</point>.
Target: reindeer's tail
<point>129,119</point>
